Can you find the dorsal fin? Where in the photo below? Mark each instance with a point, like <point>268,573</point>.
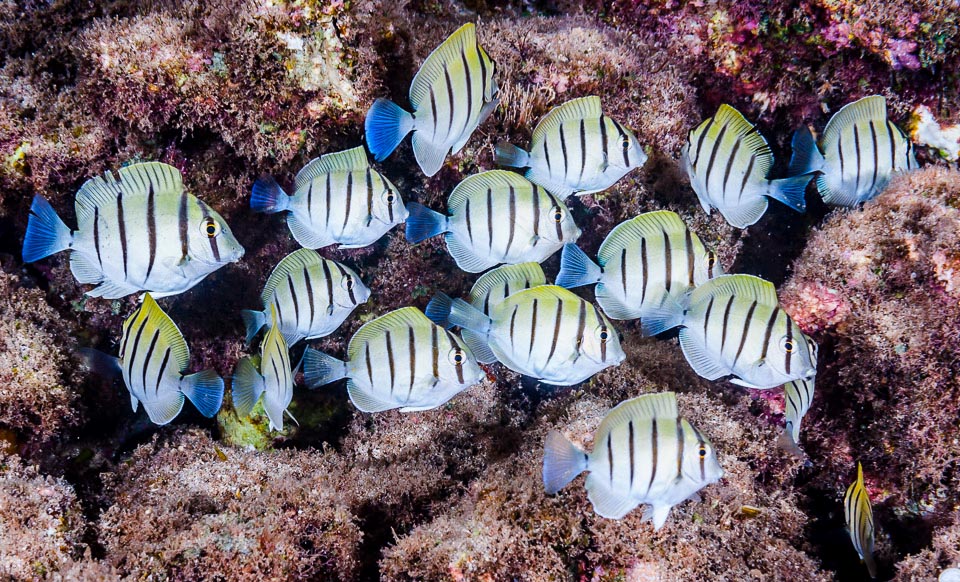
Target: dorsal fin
<point>133,180</point>
<point>465,39</point>
<point>170,335</point>
<point>545,292</point>
<point>743,286</point>
<point>393,321</point>
<point>478,183</point>
<point>649,224</point>
<point>660,406</point>
<point>345,161</point>
<point>862,110</point>
<point>518,277</point>
<point>751,139</point>
<point>294,262</point>
<point>582,108</point>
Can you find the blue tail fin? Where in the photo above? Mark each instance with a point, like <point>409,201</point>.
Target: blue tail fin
<point>791,191</point>
<point>656,320</point>
<point>562,462</point>
<point>253,321</point>
<point>468,317</point>
<point>510,155</point>
<point>386,125</point>
<point>320,368</point>
<point>438,310</point>
<point>576,268</point>
<point>806,157</point>
<point>247,386</point>
<point>205,390</point>
<point>423,223</point>
<point>268,196</point>
<point>46,233</point>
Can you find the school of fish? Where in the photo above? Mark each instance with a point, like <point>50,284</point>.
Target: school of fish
<point>139,230</point>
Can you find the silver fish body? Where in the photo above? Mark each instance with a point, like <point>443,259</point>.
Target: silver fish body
<point>544,332</point>
<point>338,199</point>
<point>137,231</point>
<point>644,452</point>
<point>153,362</point>
<point>399,360</point>
<point>646,265</point>
<point>576,148</point>
<point>453,92</point>
<point>862,150</point>
<point>312,297</point>
<point>735,326</point>
<point>859,515</point>
<point>496,217</point>
<point>728,161</point>
<point>273,380</point>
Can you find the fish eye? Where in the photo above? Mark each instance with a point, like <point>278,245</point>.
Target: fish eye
<point>557,214</point>
<point>711,260</point>
<point>348,282</point>
<point>625,141</point>
<point>457,357</point>
<point>703,451</point>
<point>787,345</point>
<point>604,336</point>
<point>210,227</point>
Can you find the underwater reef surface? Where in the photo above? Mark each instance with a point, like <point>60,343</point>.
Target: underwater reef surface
<point>228,91</point>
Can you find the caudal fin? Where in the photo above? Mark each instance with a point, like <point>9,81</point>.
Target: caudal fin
<point>205,390</point>
<point>247,386</point>
<point>576,268</point>
<point>790,191</point>
<point>46,233</point>
<point>320,368</point>
<point>562,462</point>
<point>806,157</point>
<point>468,317</point>
<point>268,196</point>
<point>510,155</point>
<point>423,223</point>
<point>438,310</point>
<point>386,125</point>
<point>668,315</point>
<point>253,321</point>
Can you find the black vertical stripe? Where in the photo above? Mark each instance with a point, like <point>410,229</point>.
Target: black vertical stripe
<point>745,331</point>
<point>840,152</point>
<point>546,157</point>
<point>412,347</point>
<point>435,351</point>
<point>856,150</point>
<point>122,225</point>
<point>746,176</point>
<point>700,444</point>
<point>483,72</point>
<point>277,302</point>
<point>328,194</point>
<point>726,171</point>
<point>469,223</point>
<point>557,206</point>
<point>446,76</point>
<point>512,204</point>
<point>655,443</point>
<point>346,213</point>
<point>205,211</point>
<point>688,243</point>
<point>513,321</point>
<point>533,327</point>
<point>455,345</point>
<point>610,457</point>
<point>603,329</point>
<point>366,352</point>
<point>702,137</point>
<point>146,359</point>
<point>344,275</point>
<point>556,331</point>
<point>563,149</point>
<point>876,154</point>
<point>489,219</point>
<point>308,283</point>
<point>293,296</point>
<point>466,74</point>
<point>433,108</point>
<point>581,323</point>
<point>768,332</point>
<point>630,438</point>
<point>667,260</point>
<point>603,138</point>
<point>787,356</point>
<point>151,232</point>
<point>328,279</point>
<point>136,345</point>
<point>624,141</point>
<point>623,270</point>
<point>706,318</point>
<point>393,370</point>
<point>163,368</point>
<point>96,234</point>
<point>893,146</point>
<point>726,318</point>
<point>643,269</point>
<point>369,197</point>
<point>680,445</point>
<point>713,154</point>
<point>182,227</point>
<point>535,200</point>
<point>583,149</point>
<point>310,199</point>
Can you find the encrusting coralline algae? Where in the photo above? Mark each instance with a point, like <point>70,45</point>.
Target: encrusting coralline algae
<point>230,91</point>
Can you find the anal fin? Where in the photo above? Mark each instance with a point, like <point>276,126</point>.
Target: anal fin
<point>605,502</point>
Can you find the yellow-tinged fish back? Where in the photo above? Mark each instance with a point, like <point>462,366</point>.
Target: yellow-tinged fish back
<point>510,278</point>
<point>859,517</point>
<point>397,319</point>
<point>480,183</point>
<point>133,180</point>
<point>743,286</point>
<point>345,161</point>
<point>649,224</point>
<point>872,108</point>
<point>575,109</point>
<point>155,320</point>
<point>648,406</point>
<point>464,38</point>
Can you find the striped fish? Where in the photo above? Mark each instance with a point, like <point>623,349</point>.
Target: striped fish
<point>426,364</point>
<point>735,325</point>
<point>338,199</point>
<point>728,161</point>
<point>643,453</point>
<point>153,361</point>
<point>544,332</point>
<point>496,217</point>
<point>312,296</point>
<point>576,148</point>
<point>647,265</point>
<point>453,92</point>
<point>269,375</point>
<point>862,150</point>
<point>138,231</point>
<point>859,515</point>
<point>798,396</point>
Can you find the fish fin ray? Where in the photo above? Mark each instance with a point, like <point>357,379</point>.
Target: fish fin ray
<point>364,401</point>
<point>507,154</point>
<point>464,38</point>
<point>575,109</point>
<point>576,268</point>
<point>790,191</point>
<point>805,157</point>
<point>562,462</point>
<point>696,354</point>
<point>478,346</point>
<point>424,223</point>
<point>345,161</point>
<point>605,502</point>
<point>465,256</point>
<point>247,386</point>
<point>304,234</point>
<point>112,290</point>
<point>164,409</point>
<point>745,214</point>
<point>385,126</point>
<point>268,197</point>
<point>646,225</point>
<point>429,156</point>
<point>657,514</point>
<point>205,390</point>
<point>46,232</point>
<point>519,276</point>
<point>743,286</point>
<point>320,369</point>
<point>644,407</point>
<point>866,109</point>
<point>84,270</point>
<point>612,305</point>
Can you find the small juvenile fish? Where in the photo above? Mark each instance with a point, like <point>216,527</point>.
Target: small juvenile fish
<point>138,231</point>
<point>312,296</point>
<point>544,332</point>
<point>862,150</point>
<point>727,161</point>
<point>798,395</point>
<point>338,199</point>
<point>735,325</point>
<point>273,380</point>
<point>643,453</point>
<point>496,217</point>
<point>453,92</point>
<point>647,265</point>
<point>490,290</point>
<point>859,515</point>
<point>576,148</point>
<point>153,361</point>
<point>426,364</point>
